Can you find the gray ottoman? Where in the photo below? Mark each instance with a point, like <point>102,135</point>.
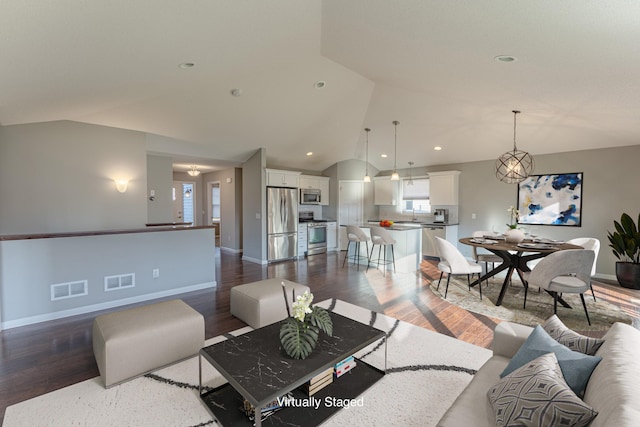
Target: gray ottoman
<point>132,342</point>
<point>261,303</point>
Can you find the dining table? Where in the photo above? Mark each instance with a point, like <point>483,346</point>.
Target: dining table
<point>515,257</point>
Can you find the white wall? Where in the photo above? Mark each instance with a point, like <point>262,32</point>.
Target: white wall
<point>59,177</point>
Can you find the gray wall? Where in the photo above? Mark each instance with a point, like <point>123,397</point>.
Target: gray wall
<point>254,237</point>
<point>160,180</point>
<point>59,177</point>
<point>25,291</point>
<point>230,205</point>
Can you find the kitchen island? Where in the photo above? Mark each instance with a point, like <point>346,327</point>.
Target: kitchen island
<point>407,250</point>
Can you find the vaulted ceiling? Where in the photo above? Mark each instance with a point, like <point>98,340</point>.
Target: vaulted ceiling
<point>428,64</point>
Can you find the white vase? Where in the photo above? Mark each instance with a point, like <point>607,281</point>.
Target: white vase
<point>513,235</point>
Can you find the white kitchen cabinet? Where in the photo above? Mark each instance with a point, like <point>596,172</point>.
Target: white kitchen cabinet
<point>318,183</point>
<point>282,178</point>
<point>302,239</point>
<point>332,236</point>
<point>385,191</point>
<point>443,188</point>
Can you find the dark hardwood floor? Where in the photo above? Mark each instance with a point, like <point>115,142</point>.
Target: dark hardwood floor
<point>41,358</point>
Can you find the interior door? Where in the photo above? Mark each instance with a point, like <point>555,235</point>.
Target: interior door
<point>350,207</point>
<point>184,201</point>
<point>178,212</point>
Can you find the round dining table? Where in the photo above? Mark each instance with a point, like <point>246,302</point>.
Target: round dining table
<point>515,257</point>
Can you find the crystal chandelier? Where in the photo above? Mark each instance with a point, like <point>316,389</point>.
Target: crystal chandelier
<point>194,171</point>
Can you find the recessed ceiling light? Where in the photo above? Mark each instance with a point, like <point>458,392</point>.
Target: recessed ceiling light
<point>236,92</point>
<point>320,84</point>
<point>437,148</point>
<point>383,156</point>
<point>310,153</point>
<point>186,65</point>
<point>505,58</point>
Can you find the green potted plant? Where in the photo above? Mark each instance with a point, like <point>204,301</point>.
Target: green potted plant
<point>625,243</point>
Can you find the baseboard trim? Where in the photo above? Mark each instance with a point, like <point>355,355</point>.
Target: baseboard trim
<point>230,250</point>
<point>606,276</point>
<point>254,260</point>
<point>103,306</point>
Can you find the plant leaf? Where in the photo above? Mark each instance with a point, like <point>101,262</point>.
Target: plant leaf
<point>298,340</point>
<point>320,317</point>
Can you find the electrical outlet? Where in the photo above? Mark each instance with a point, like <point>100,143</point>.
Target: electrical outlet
<point>473,216</point>
<point>156,273</point>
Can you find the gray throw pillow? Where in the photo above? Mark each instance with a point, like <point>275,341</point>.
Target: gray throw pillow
<point>573,340</point>
<point>537,395</point>
<point>576,367</point>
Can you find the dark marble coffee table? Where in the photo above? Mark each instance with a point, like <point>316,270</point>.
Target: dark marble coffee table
<point>259,371</point>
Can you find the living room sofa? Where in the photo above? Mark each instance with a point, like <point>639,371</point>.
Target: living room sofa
<point>612,390</point>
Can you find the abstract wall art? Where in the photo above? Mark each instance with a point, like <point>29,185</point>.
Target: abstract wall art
<point>554,199</point>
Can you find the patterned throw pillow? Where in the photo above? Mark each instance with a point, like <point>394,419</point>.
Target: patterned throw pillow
<point>537,395</point>
<point>565,336</point>
<point>576,367</point>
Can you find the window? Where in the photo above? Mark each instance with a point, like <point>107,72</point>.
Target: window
<point>215,202</point>
<point>415,195</point>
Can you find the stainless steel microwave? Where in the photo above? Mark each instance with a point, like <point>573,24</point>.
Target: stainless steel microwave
<point>309,196</point>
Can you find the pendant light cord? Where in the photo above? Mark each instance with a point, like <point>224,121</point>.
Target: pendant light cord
<point>515,113</point>
<point>395,145</point>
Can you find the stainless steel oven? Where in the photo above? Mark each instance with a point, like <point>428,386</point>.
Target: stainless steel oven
<point>316,238</point>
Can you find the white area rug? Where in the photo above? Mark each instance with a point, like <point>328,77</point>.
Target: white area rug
<point>426,372</point>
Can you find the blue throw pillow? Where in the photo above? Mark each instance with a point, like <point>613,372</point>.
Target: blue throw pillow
<point>576,367</point>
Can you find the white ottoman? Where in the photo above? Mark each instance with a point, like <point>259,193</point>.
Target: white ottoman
<point>262,303</point>
<point>132,342</point>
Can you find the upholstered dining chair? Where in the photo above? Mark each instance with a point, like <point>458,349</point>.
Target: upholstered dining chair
<point>567,271</point>
<point>382,237</point>
<point>454,263</point>
<point>356,236</point>
<point>592,244</point>
<point>484,256</point>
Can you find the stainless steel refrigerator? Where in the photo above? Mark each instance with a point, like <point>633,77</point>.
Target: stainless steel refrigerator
<point>282,223</point>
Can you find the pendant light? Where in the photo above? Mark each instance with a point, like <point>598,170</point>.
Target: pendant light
<point>367,178</point>
<point>514,166</point>
<point>194,171</point>
<point>410,174</point>
<point>394,175</point>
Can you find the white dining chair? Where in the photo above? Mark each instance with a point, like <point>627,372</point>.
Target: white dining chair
<point>454,263</point>
<point>356,236</point>
<point>591,244</point>
<point>484,256</point>
<point>567,271</point>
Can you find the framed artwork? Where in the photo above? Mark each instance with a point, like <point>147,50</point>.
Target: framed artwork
<point>554,199</point>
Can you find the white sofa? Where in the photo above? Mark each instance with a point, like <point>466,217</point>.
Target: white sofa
<point>612,390</point>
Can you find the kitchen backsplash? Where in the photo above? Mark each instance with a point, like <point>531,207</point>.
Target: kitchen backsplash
<point>391,212</point>
<point>316,209</point>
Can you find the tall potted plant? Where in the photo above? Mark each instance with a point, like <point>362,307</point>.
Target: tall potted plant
<point>625,243</point>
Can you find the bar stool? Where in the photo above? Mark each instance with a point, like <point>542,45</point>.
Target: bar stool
<point>356,235</point>
<point>382,238</point>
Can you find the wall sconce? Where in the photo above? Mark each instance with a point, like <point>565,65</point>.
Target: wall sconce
<point>121,185</point>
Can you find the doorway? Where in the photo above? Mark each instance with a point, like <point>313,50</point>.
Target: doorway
<point>184,194</point>
<point>350,207</point>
